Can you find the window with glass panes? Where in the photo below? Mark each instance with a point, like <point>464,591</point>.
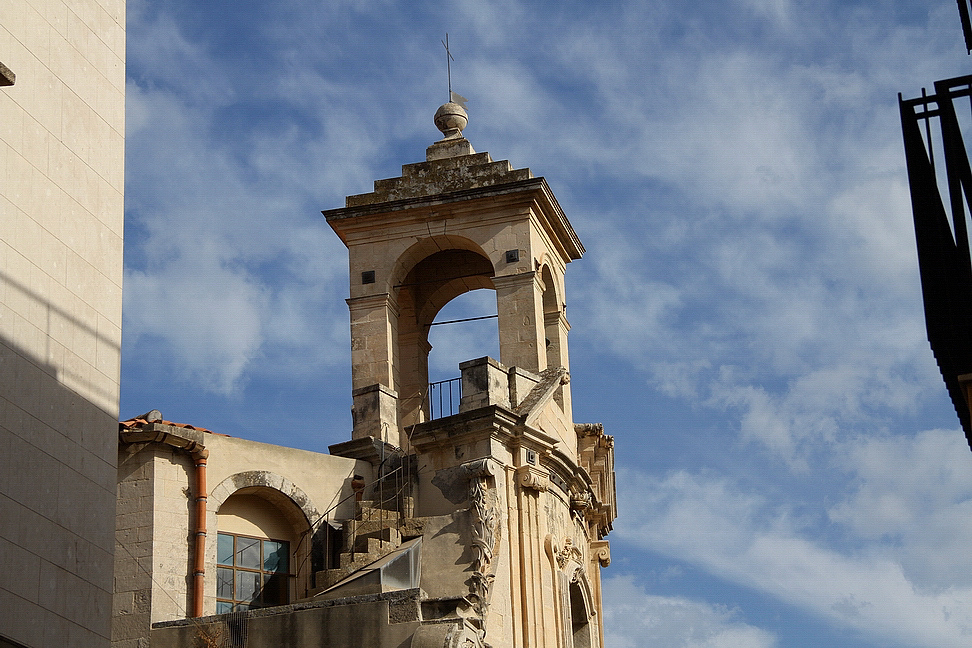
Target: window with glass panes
<point>250,572</point>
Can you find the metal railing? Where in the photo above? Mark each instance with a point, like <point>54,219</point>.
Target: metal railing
<point>444,397</point>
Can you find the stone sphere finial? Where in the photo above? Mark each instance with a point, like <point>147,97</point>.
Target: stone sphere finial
<point>450,118</point>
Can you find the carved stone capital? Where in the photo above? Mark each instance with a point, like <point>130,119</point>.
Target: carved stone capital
<point>480,468</point>
<point>601,552</point>
<point>532,478</point>
<point>580,501</point>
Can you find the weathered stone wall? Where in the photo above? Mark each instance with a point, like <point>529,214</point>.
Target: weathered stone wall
<point>156,491</point>
<point>132,601</point>
<point>171,536</point>
<point>376,621</point>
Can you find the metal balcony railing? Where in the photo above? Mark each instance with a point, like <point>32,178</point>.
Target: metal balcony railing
<point>444,398</point>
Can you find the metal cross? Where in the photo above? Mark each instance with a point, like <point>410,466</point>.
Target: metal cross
<point>449,60</point>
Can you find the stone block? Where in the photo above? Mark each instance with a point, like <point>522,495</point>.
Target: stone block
<point>522,383</point>
<point>375,413</point>
<point>484,382</point>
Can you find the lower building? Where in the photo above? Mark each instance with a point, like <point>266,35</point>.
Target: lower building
<point>374,547</point>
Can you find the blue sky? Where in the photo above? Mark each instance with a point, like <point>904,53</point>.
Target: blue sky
<point>746,322</point>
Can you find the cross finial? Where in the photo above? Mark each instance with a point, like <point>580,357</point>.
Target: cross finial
<point>449,60</point>
<point>454,97</point>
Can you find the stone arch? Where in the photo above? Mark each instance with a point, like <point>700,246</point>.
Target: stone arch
<point>424,248</point>
<point>428,275</point>
<point>275,488</point>
<point>296,511</point>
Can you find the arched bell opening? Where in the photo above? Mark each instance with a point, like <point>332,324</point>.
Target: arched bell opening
<point>431,283</point>
<point>458,334</point>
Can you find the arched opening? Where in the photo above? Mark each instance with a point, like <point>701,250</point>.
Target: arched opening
<point>453,340</point>
<point>465,328</point>
<point>580,618</point>
<point>257,549</point>
<point>429,285</point>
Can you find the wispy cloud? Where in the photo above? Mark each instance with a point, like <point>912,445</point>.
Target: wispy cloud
<point>634,618</point>
<point>760,543</point>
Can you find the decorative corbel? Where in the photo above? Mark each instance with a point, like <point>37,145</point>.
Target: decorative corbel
<point>601,552</point>
<point>533,478</point>
<point>485,529</point>
<point>580,502</point>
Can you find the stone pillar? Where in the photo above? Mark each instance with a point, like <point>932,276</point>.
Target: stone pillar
<point>484,382</point>
<point>373,323</point>
<point>537,609</point>
<point>519,303</point>
<point>600,557</point>
<point>374,413</point>
<point>412,373</point>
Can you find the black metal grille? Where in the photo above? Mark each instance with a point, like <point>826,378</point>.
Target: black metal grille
<point>963,6</point>
<point>941,233</point>
<point>444,397</point>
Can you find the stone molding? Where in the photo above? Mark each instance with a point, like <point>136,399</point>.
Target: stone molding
<point>373,301</point>
<point>518,280</point>
<point>264,479</point>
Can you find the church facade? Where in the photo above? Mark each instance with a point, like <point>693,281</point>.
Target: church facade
<point>480,525</point>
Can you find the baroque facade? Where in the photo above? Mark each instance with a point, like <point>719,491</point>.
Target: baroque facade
<point>483,525</point>
<point>62,136</point>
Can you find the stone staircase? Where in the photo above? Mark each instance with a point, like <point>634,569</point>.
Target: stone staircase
<point>371,535</point>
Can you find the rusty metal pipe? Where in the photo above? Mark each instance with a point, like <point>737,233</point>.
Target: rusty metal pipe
<point>199,549</point>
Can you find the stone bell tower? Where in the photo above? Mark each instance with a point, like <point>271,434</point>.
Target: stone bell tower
<point>455,223</point>
<point>533,492</point>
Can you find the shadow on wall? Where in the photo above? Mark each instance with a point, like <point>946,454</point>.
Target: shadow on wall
<point>57,494</point>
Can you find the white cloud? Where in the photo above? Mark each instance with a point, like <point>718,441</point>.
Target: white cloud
<point>210,318</point>
<point>634,619</point>
<point>761,544</point>
<point>233,243</point>
<point>916,494</point>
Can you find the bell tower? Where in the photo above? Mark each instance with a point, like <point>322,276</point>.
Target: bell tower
<point>457,222</point>
<point>510,498</point>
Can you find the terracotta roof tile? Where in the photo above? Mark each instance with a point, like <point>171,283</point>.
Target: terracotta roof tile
<point>139,422</point>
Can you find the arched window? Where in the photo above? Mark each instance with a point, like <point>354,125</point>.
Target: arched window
<point>580,618</point>
<point>254,557</point>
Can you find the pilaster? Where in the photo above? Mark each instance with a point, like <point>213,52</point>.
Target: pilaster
<point>519,300</point>
<point>373,319</point>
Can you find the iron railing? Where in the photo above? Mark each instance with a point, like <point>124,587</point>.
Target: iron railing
<point>444,397</point>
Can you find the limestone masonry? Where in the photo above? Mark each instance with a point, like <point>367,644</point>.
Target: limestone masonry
<point>62,154</point>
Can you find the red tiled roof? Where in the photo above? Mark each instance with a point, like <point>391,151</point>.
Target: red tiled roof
<point>139,422</point>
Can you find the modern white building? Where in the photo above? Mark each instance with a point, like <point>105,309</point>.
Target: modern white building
<point>62,139</point>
